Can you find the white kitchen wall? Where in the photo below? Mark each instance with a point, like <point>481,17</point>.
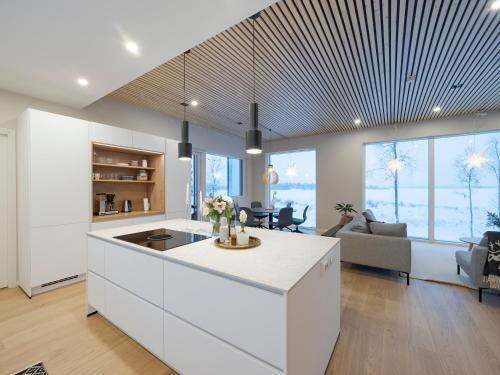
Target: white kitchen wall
<point>114,112</point>
<point>339,164</point>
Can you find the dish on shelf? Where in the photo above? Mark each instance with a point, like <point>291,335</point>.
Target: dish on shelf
<point>127,178</point>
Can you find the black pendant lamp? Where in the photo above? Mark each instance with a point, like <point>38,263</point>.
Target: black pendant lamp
<point>185,149</point>
<point>253,136</point>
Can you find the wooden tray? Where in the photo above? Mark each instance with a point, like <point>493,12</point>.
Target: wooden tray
<point>253,242</point>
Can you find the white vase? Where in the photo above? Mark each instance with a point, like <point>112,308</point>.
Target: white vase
<point>242,238</point>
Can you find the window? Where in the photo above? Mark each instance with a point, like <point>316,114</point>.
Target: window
<point>396,184</point>
<point>466,186</point>
<point>297,183</point>
<point>224,175</point>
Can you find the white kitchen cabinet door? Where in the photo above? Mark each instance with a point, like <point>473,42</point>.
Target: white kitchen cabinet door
<point>58,252</point>
<point>227,309</point>
<point>148,142</point>
<point>194,352</point>
<point>138,318</point>
<point>177,175</point>
<point>111,135</point>
<point>59,169</point>
<point>96,292</point>
<point>139,273</point>
<point>95,255</point>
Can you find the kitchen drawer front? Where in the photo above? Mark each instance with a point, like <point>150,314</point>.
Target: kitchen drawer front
<point>96,292</point>
<point>192,351</point>
<point>137,272</point>
<point>250,318</point>
<point>139,319</point>
<point>95,255</point>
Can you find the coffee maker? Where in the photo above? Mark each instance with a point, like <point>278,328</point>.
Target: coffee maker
<point>106,204</point>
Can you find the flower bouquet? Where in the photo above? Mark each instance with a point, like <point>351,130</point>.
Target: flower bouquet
<point>242,237</point>
<point>217,207</point>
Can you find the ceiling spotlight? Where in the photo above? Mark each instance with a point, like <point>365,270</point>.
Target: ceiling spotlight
<point>411,78</point>
<point>82,82</point>
<point>357,121</point>
<point>495,5</point>
<point>194,103</point>
<point>436,109</point>
<point>132,47</point>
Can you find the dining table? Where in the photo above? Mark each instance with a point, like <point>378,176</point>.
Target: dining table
<point>260,211</point>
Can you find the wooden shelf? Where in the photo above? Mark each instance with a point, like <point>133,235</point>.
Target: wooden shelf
<point>125,215</point>
<point>125,181</point>
<point>121,166</point>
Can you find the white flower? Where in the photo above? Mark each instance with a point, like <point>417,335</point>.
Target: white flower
<point>227,199</point>
<point>206,210</point>
<point>243,217</point>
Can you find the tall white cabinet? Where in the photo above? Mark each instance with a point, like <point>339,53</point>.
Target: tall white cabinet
<point>53,158</point>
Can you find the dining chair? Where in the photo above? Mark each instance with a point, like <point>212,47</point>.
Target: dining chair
<point>260,216</point>
<point>285,219</point>
<point>252,221</point>
<point>300,221</point>
<point>256,204</point>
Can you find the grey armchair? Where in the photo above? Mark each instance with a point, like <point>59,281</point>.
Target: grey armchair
<point>472,263</point>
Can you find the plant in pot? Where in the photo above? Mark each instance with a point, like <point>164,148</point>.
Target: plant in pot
<point>492,219</point>
<point>345,209</point>
<point>242,237</point>
<point>215,208</point>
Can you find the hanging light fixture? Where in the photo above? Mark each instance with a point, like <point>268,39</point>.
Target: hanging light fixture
<point>291,170</point>
<point>185,149</point>
<point>270,176</point>
<point>253,136</point>
<point>395,165</point>
<point>476,159</point>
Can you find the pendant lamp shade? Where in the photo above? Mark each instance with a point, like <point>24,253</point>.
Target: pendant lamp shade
<point>253,136</point>
<point>184,148</point>
<point>270,176</point>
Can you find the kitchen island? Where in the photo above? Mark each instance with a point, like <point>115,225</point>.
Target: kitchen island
<point>273,309</point>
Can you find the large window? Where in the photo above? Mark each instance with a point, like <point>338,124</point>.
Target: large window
<point>224,175</point>
<point>396,183</point>
<point>297,182</point>
<point>466,175</point>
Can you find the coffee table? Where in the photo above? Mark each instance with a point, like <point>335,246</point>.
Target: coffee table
<point>471,241</point>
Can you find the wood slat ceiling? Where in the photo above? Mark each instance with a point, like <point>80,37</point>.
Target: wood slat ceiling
<point>322,63</point>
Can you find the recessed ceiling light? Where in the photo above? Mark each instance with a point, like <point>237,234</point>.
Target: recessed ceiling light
<point>495,5</point>
<point>82,82</point>
<point>457,86</point>
<point>194,103</point>
<point>357,121</point>
<point>436,109</point>
<point>411,78</point>
<point>132,47</point>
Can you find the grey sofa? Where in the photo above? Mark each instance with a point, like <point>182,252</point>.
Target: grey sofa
<point>388,252</point>
<point>472,263</point>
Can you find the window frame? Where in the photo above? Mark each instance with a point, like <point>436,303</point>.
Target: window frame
<point>227,157</point>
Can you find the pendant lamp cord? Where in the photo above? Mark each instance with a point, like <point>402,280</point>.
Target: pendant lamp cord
<point>253,56</point>
<point>184,86</point>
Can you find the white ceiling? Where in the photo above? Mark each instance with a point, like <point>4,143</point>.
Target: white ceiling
<point>46,45</point>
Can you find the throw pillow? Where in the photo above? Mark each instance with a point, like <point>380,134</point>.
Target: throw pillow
<point>385,229</point>
<point>359,224</point>
<point>369,216</point>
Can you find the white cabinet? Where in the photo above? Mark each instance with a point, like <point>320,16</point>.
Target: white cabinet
<point>148,142</point>
<point>139,273</point>
<point>95,255</point>
<point>111,135</point>
<point>178,174</point>
<point>96,292</point>
<point>53,177</point>
<point>138,318</point>
<point>222,307</point>
<point>196,352</point>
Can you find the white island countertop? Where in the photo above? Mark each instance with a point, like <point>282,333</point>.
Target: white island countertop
<point>281,260</point>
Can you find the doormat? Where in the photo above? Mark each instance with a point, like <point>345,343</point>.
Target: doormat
<point>36,369</point>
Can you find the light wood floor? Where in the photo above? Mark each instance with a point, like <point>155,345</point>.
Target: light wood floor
<point>387,328</point>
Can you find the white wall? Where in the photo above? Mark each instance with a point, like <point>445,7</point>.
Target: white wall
<point>339,164</point>
<point>114,112</point>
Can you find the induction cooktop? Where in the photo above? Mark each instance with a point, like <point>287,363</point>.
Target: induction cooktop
<point>161,239</point>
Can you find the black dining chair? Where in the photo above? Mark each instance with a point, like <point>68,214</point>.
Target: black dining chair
<point>262,216</point>
<point>236,211</point>
<point>252,221</point>
<point>288,204</point>
<point>256,204</point>
<point>285,219</point>
<point>300,221</point>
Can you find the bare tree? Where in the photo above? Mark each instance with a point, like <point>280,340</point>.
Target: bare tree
<point>214,166</point>
<point>468,175</point>
<point>494,165</point>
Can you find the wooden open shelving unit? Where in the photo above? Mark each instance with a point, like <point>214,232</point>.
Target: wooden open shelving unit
<point>105,161</point>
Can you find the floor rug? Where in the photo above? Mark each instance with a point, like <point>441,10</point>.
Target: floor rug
<point>36,369</point>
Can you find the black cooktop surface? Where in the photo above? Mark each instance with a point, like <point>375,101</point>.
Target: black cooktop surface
<point>161,239</point>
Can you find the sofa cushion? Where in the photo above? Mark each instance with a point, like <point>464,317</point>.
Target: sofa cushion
<point>369,215</point>
<point>359,224</point>
<point>385,229</point>
<point>464,259</point>
<point>484,240</point>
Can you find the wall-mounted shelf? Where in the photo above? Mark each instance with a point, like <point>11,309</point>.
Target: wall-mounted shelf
<point>121,166</point>
<point>110,174</point>
<point>126,181</point>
